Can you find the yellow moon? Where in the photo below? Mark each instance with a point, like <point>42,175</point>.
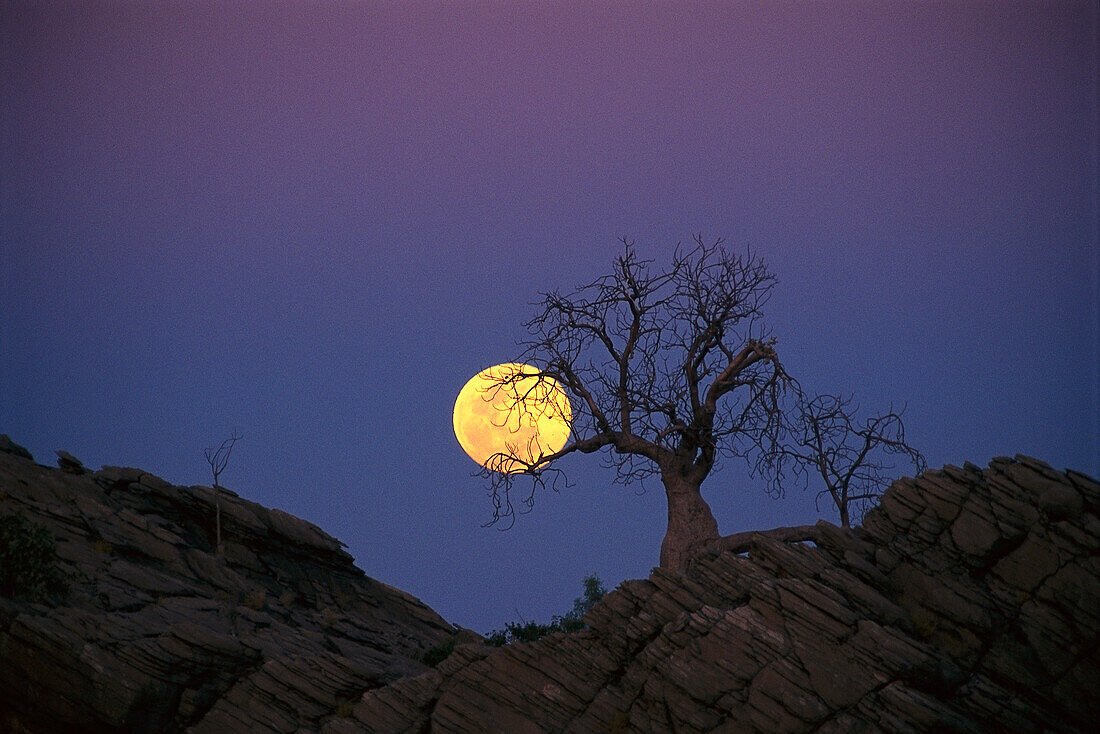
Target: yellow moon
<point>526,418</point>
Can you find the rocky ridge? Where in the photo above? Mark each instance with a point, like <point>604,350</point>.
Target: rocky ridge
<point>969,601</point>
<point>158,633</point>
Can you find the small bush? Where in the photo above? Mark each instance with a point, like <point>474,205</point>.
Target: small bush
<point>28,559</point>
<point>925,624</point>
<point>331,617</point>
<point>525,631</point>
<point>436,654</point>
<point>255,599</point>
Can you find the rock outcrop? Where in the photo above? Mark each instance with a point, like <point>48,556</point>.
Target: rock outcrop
<point>969,601</point>
<point>156,632</point>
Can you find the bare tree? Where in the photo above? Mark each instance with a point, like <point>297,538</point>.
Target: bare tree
<point>853,460</point>
<point>218,458</point>
<point>668,369</point>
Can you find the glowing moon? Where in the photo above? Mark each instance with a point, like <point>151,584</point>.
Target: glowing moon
<point>527,418</point>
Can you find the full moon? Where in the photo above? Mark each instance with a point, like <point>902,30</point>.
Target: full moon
<point>526,418</point>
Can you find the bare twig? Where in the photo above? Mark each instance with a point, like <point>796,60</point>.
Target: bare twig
<point>218,459</point>
<point>853,460</point>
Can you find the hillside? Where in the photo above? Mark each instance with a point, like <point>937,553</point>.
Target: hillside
<point>968,602</point>
<point>156,633</point>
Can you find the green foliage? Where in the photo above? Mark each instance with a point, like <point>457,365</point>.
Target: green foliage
<point>436,654</point>
<point>498,638</point>
<point>593,591</point>
<point>28,559</point>
<point>525,631</point>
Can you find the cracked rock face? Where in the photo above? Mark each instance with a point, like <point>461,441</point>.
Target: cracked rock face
<point>157,633</point>
<point>968,602</point>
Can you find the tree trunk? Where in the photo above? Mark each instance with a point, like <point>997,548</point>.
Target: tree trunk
<point>689,521</point>
<point>217,520</point>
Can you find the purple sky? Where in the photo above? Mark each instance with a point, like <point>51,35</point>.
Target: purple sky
<point>313,222</point>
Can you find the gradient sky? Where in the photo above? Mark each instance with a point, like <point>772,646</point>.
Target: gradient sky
<point>313,222</point>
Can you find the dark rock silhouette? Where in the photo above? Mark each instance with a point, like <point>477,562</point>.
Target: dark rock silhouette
<point>69,463</point>
<point>158,634</point>
<point>968,602</point>
<point>7,446</point>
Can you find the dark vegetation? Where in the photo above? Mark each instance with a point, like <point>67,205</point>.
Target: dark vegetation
<point>436,654</point>
<point>218,458</point>
<point>852,459</point>
<point>529,631</point>
<point>28,560</point>
<point>671,370</point>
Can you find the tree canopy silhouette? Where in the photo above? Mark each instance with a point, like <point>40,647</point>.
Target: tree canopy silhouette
<point>669,370</point>
<point>852,459</point>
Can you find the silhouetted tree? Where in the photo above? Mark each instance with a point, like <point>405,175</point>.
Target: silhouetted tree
<point>668,370</point>
<point>852,459</point>
<point>218,458</point>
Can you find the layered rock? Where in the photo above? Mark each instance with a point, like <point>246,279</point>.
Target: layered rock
<point>157,632</point>
<point>968,602</point>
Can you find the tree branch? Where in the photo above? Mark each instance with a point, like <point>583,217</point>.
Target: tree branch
<point>742,542</point>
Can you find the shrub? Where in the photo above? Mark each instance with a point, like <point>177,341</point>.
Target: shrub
<point>525,631</point>
<point>436,654</point>
<point>28,559</point>
<point>255,599</point>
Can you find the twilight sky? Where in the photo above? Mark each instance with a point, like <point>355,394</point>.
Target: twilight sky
<point>313,222</point>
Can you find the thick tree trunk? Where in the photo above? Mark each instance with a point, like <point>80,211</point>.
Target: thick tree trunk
<point>217,519</point>
<point>689,521</point>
